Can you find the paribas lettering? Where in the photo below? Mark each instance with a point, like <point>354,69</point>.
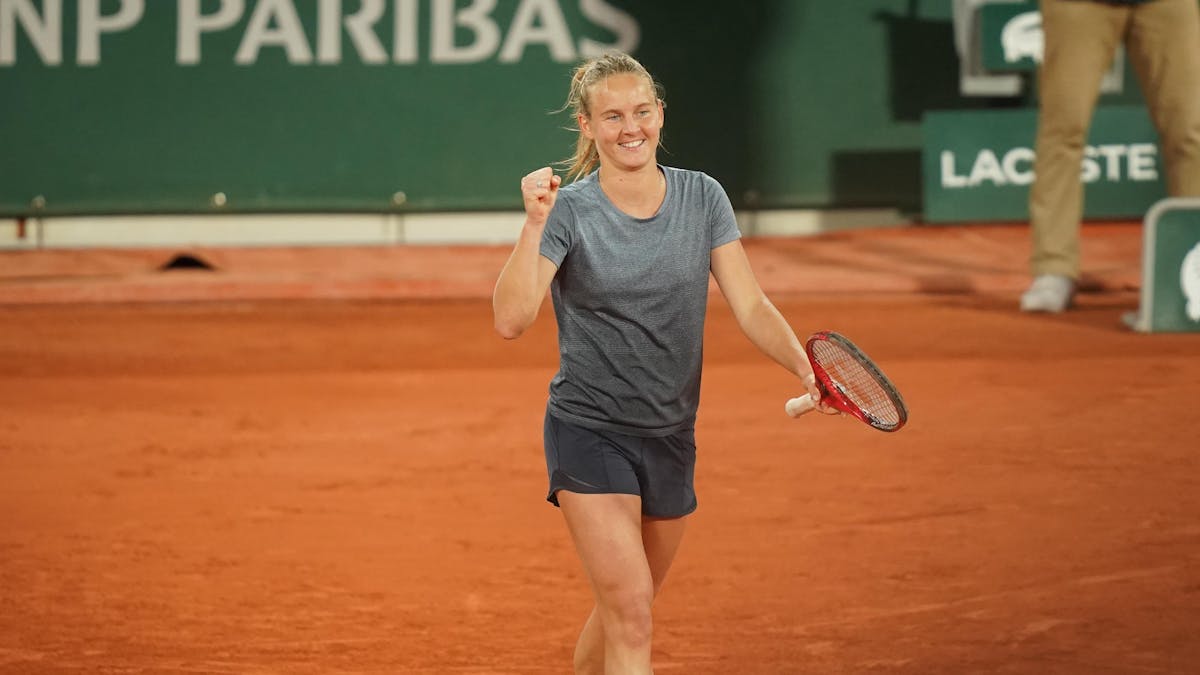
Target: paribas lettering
<point>318,32</point>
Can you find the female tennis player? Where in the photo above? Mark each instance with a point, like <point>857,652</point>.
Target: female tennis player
<point>626,251</point>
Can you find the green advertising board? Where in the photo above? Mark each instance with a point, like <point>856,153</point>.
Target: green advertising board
<point>978,165</point>
<point>269,105</point>
<point>1011,36</point>
<point>1170,294</point>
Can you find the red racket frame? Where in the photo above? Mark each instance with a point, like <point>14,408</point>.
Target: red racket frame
<point>832,395</point>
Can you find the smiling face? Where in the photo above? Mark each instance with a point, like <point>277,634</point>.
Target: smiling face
<point>624,121</point>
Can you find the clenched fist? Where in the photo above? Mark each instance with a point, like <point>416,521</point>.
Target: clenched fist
<point>539,190</point>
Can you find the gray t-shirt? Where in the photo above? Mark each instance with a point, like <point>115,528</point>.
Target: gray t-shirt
<point>630,297</point>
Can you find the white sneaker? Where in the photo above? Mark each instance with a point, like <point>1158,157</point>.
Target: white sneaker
<point>1048,293</point>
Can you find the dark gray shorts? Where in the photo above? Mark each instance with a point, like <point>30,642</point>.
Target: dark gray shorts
<point>590,461</point>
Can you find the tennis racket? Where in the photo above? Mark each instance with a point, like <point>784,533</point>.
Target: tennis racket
<point>850,382</point>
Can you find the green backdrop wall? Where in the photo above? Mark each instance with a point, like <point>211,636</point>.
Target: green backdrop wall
<point>154,106</point>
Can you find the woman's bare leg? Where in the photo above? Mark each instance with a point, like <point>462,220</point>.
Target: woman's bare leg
<point>589,650</point>
<point>619,565</point>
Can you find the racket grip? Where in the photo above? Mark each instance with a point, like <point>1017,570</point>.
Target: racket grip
<point>798,406</point>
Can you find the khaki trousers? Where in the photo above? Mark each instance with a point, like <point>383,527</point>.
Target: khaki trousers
<point>1162,39</point>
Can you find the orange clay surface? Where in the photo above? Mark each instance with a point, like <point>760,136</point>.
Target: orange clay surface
<point>325,461</point>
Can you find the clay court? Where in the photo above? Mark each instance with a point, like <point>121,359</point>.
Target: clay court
<point>325,461</point>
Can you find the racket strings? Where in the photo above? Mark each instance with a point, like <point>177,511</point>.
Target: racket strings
<point>856,382</point>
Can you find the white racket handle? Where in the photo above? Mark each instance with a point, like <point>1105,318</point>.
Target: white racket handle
<point>799,405</point>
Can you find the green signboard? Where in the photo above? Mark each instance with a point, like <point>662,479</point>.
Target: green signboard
<point>1171,268</point>
<point>978,165</point>
<point>1011,36</point>
<point>278,105</point>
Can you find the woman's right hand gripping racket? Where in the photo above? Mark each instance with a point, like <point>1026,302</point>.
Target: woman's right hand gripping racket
<point>850,382</point>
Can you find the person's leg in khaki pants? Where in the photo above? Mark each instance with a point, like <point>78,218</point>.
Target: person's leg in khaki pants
<point>1081,38</point>
<point>1164,47</point>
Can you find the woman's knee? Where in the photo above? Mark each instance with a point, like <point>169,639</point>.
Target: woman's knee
<point>627,614</point>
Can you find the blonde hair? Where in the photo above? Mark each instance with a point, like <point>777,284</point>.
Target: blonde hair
<point>586,75</point>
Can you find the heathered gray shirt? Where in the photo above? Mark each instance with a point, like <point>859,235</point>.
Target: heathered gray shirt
<point>630,297</point>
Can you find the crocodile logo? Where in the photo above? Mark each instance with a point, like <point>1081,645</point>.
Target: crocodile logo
<point>1189,281</point>
<point>1022,36</point>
